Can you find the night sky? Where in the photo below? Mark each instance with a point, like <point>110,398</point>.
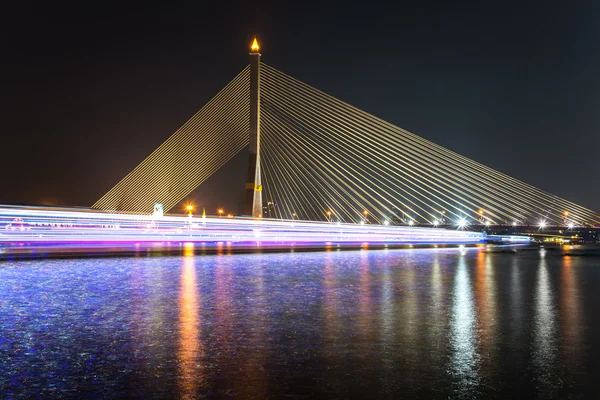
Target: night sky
<point>87,92</point>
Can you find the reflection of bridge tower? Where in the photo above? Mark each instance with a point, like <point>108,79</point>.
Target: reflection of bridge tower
<point>253,202</point>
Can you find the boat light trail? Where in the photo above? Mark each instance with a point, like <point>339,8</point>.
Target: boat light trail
<point>33,227</point>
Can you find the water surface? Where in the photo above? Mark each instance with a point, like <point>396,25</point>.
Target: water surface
<point>430,323</point>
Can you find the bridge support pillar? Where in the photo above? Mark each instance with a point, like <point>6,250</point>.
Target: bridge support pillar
<point>253,200</point>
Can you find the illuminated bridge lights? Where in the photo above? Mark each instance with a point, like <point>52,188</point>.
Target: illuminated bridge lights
<point>35,227</point>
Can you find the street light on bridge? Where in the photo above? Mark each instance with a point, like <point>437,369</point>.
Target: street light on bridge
<point>189,208</point>
<point>220,212</point>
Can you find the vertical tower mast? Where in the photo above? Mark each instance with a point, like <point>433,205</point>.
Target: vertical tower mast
<point>253,202</point>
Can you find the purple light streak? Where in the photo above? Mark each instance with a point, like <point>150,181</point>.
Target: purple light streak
<point>35,228</point>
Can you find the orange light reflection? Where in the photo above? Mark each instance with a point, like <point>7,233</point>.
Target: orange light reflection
<point>571,313</point>
<point>190,346</point>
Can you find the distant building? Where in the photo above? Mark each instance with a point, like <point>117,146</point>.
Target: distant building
<point>589,235</point>
<point>269,210</point>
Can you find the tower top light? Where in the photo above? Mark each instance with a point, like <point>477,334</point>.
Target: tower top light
<point>255,46</point>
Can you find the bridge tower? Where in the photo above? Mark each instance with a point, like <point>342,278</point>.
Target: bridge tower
<point>253,201</point>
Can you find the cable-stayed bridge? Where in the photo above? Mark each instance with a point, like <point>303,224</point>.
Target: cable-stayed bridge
<point>321,173</point>
<point>315,157</point>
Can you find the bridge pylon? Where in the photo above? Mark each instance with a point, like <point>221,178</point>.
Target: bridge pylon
<point>253,200</point>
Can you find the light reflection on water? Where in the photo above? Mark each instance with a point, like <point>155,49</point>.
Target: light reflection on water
<point>465,357</point>
<point>545,352</point>
<point>427,323</point>
<point>571,319</point>
<point>486,304</point>
<point>190,347</point>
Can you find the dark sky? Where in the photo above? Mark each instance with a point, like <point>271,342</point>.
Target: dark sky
<point>87,92</point>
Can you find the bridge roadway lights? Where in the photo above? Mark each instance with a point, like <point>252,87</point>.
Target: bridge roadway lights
<point>30,230</point>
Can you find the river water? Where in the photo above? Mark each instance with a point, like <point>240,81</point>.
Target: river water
<point>427,323</point>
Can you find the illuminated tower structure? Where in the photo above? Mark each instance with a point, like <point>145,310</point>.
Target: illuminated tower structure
<point>253,201</point>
